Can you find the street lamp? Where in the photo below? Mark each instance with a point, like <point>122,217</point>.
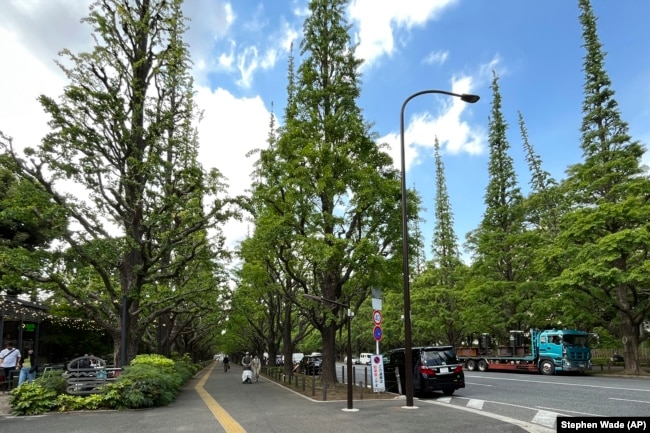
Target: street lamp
<point>408,349</point>
<point>349,356</point>
<point>124,332</point>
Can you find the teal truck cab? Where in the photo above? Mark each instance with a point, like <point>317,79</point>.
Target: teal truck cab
<point>546,351</point>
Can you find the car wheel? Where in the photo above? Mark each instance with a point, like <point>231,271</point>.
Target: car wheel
<point>471,365</point>
<point>482,365</point>
<point>547,368</point>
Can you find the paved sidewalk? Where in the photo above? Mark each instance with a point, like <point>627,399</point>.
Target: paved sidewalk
<point>217,402</point>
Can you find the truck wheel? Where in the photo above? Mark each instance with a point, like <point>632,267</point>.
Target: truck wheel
<point>482,365</point>
<point>547,368</point>
<point>471,365</point>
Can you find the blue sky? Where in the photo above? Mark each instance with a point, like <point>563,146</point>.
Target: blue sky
<point>240,54</point>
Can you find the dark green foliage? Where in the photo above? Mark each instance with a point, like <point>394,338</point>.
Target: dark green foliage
<point>149,382</point>
<point>122,133</point>
<point>32,399</point>
<point>53,380</point>
<point>499,296</point>
<point>604,244</point>
<point>326,195</point>
<point>436,291</point>
<point>185,368</point>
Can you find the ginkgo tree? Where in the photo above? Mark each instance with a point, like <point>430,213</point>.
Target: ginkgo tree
<point>120,162</point>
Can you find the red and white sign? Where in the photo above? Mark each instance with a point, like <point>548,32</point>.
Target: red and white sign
<point>377,366</point>
<point>376,317</point>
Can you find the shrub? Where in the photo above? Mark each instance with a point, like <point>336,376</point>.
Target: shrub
<point>65,402</point>
<point>32,399</point>
<point>115,392</point>
<point>185,367</point>
<point>153,359</point>
<point>54,381</point>
<point>150,380</point>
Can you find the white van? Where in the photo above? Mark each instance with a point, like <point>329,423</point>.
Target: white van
<point>365,358</point>
<point>297,357</point>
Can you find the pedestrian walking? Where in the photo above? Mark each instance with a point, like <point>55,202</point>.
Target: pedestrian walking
<point>256,364</point>
<point>28,367</point>
<point>9,359</point>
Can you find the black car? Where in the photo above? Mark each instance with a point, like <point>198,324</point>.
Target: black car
<point>435,368</point>
<point>310,365</point>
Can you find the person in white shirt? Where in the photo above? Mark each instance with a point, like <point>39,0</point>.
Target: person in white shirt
<point>9,359</point>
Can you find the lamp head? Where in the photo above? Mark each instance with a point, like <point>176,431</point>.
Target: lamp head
<point>469,98</point>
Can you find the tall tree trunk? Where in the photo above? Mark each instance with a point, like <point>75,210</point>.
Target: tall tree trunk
<point>630,338</point>
<point>328,335</point>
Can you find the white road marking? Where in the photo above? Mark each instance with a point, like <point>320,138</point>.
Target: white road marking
<point>532,428</point>
<point>567,411</point>
<point>634,401</point>
<point>475,404</point>
<point>477,384</point>
<point>560,383</point>
<point>545,418</point>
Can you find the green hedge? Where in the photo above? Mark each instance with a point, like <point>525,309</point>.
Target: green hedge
<point>149,381</point>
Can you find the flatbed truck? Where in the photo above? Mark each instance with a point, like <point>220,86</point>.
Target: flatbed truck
<point>547,351</point>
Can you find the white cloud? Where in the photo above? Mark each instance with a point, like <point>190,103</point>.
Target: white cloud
<point>231,128</point>
<point>21,115</point>
<point>210,21</point>
<point>436,57</point>
<point>226,60</point>
<point>288,36</point>
<point>421,129</point>
<point>378,20</point>
<point>47,26</point>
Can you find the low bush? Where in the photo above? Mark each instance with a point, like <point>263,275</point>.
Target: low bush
<point>149,381</point>
<point>66,402</point>
<point>32,399</point>
<point>53,380</point>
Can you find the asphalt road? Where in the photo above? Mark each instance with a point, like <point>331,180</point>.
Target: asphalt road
<point>539,400</point>
<point>217,402</point>
<point>569,395</point>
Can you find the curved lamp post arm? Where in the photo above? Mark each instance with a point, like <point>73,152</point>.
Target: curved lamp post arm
<point>408,352</point>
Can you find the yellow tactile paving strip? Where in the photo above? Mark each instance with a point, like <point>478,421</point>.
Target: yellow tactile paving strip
<point>227,422</point>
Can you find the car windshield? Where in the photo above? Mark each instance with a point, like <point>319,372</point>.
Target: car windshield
<point>438,357</point>
<point>576,340</point>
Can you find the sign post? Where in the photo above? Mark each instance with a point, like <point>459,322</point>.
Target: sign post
<point>377,366</point>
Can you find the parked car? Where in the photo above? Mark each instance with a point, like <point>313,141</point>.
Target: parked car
<point>279,359</point>
<point>355,360</point>
<point>435,368</point>
<point>311,365</point>
<point>297,357</point>
<point>364,358</point>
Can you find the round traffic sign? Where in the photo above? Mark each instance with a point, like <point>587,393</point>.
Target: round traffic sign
<point>377,333</point>
<point>376,317</point>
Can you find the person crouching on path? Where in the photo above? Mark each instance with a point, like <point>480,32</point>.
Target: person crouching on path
<point>246,363</point>
<point>256,364</point>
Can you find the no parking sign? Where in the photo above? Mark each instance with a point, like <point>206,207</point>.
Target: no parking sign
<point>377,333</point>
<point>377,365</point>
